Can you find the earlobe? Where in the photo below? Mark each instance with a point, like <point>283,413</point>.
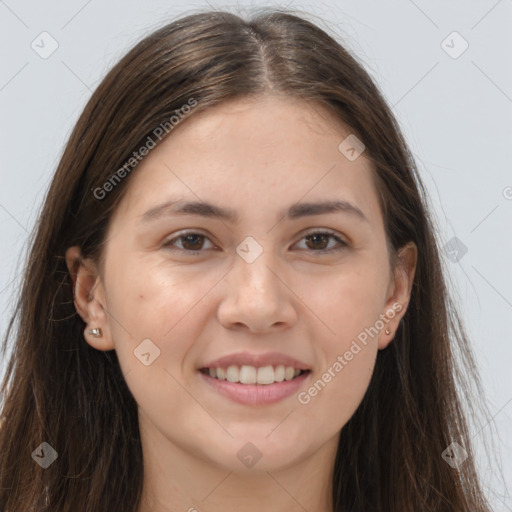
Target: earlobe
<point>89,299</point>
<point>398,301</point>
<point>392,319</point>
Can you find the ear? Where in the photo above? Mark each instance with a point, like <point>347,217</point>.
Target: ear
<point>89,298</point>
<point>399,293</point>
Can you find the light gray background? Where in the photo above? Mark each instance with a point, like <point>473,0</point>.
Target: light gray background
<point>455,113</point>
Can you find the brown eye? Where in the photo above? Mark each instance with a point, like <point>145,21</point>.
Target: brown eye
<point>191,242</point>
<point>318,242</point>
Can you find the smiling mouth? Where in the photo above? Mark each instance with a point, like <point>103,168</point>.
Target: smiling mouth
<point>246,374</point>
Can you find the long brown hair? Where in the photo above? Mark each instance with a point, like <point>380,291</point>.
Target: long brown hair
<point>60,390</point>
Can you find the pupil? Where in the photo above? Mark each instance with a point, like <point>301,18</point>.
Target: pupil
<point>315,237</point>
<point>188,238</point>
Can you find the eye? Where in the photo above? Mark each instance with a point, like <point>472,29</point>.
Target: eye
<point>317,242</point>
<point>193,242</point>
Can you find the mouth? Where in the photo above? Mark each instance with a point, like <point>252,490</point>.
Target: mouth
<point>253,375</point>
<point>255,386</point>
<point>255,379</point>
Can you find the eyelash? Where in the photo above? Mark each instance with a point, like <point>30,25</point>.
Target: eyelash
<point>343,245</point>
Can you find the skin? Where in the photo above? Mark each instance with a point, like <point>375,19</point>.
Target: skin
<point>258,157</point>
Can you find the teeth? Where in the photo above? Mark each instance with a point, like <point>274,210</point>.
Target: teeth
<point>279,373</point>
<point>251,375</point>
<point>289,373</point>
<point>247,375</point>
<point>232,374</point>
<point>265,375</point>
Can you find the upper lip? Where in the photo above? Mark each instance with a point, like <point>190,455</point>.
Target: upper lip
<point>258,360</point>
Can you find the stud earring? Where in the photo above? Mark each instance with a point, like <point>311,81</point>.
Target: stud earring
<point>95,332</point>
<point>387,331</point>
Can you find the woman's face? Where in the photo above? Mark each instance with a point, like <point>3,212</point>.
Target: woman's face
<point>251,287</point>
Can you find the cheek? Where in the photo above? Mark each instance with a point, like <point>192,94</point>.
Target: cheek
<point>148,302</point>
<point>348,347</point>
<point>155,320</point>
<point>150,298</point>
<point>348,304</point>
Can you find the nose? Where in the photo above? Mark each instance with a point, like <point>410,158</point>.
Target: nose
<point>256,296</point>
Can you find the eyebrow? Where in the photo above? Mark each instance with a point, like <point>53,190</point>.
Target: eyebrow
<point>204,209</point>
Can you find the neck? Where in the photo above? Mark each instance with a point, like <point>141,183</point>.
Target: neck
<point>177,480</point>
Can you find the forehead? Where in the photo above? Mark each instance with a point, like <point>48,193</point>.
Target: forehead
<point>268,151</point>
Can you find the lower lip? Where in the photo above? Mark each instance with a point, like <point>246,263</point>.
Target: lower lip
<point>256,394</point>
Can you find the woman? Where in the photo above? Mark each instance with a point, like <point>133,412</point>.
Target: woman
<point>234,298</point>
